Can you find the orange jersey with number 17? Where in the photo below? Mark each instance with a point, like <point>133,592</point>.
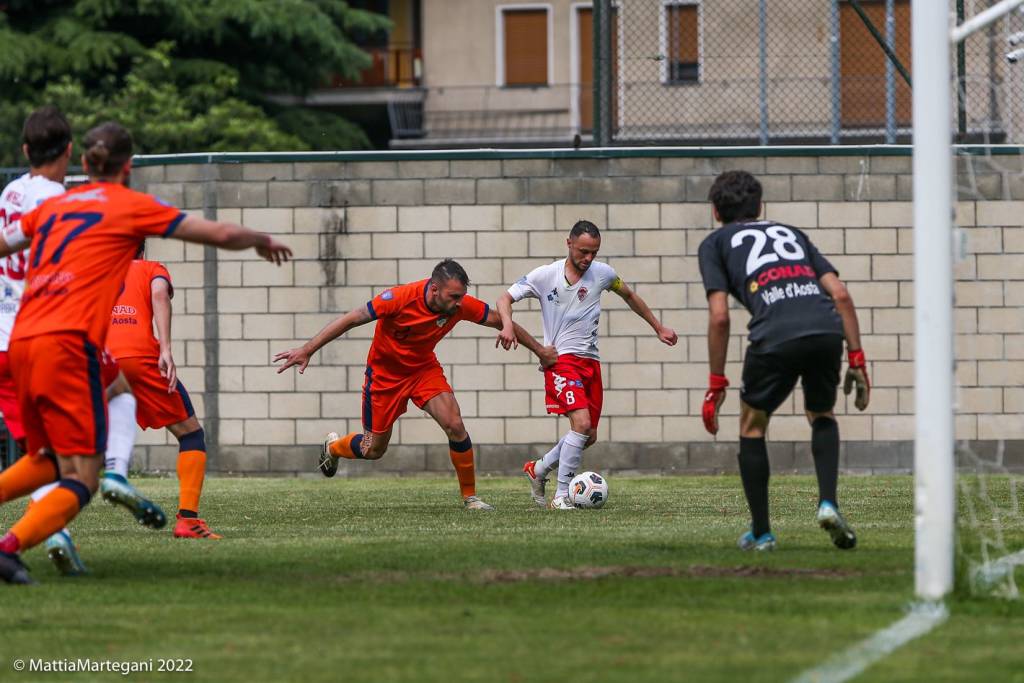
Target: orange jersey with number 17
<point>83,243</point>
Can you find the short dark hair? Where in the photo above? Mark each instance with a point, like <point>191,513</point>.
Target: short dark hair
<point>584,228</point>
<point>107,147</point>
<point>449,269</point>
<point>736,195</point>
<point>46,133</point>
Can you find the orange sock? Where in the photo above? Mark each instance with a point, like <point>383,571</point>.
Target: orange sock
<point>51,514</point>
<point>191,472</point>
<point>348,446</point>
<point>461,453</point>
<point>26,475</point>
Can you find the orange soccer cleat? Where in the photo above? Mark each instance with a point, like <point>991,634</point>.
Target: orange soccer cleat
<point>193,527</point>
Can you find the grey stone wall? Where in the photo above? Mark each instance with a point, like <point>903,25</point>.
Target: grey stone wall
<point>360,224</point>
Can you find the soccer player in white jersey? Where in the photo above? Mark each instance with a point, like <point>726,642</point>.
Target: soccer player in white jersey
<point>46,138</point>
<point>569,291</point>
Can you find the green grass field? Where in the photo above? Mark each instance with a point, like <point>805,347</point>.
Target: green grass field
<point>390,580</point>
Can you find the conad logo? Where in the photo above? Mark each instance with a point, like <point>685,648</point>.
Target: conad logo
<point>124,310</point>
<point>784,273</point>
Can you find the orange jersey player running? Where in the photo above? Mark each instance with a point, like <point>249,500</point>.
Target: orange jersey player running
<point>411,320</point>
<point>162,400</point>
<point>82,244</point>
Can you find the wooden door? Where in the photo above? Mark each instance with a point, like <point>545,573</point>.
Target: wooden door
<point>862,65</point>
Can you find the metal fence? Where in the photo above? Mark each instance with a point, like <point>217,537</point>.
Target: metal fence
<point>731,72</point>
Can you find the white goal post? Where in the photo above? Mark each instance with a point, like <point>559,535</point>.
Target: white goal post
<point>933,32</point>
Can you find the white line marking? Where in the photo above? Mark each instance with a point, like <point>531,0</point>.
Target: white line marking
<point>922,618</point>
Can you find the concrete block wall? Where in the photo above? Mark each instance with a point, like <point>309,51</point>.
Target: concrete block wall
<point>359,224</point>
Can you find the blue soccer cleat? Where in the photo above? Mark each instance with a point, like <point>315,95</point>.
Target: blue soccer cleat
<point>763,543</point>
<point>62,552</point>
<point>830,520</point>
<point>115,489</point>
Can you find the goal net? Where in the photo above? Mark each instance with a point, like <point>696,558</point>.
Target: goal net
<point>987,78</point>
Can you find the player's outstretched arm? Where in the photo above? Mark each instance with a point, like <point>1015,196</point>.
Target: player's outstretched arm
<point>718,350</point>
<point>160,293</point>
<point>857,374</point>
<point>666,334</point>
<point>300,356</point>
<point>546,354</point>
<point>507,336</point>
<point>231,236</point>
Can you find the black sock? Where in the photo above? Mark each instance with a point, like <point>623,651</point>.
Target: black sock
<point>188,514</point>
<point>825,448</point>
<point>754,471</point>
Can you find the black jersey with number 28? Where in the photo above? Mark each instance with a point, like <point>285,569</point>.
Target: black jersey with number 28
<point>773,269</point>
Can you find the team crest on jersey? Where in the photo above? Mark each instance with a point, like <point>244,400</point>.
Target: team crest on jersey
<point>441,322</point>
<point>583,293</point>
<point>387,296</point>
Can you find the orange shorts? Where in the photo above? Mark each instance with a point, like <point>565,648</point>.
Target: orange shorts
<point>59,382</point>
<point>156,407</point>
<point>385,399</point>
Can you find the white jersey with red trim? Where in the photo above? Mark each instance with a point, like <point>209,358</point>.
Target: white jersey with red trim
<point>19,197</point>
<point>571,313</point>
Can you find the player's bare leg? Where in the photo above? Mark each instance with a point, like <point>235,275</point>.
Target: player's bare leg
<point>445,411</point>
<point>191,473</point>
<point>825,449</point>
<point>114,486</point>
<point>755,472</point>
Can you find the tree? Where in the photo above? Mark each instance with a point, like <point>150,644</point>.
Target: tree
<point>183,76</point>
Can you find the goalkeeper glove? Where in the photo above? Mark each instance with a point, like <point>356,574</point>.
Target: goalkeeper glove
<point>857,374</point>
<point>713,401</point>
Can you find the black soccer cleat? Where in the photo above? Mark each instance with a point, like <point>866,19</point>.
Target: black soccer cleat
<point>13,570</point>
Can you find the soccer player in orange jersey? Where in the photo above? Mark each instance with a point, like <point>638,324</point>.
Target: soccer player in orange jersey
<point>162,400</point>
<point>82,244</point>
<point>401,365</point>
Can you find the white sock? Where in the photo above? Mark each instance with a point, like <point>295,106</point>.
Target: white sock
<point>41,492</point>
<point>121,434</point>
<point>549,461</point>
<point>569,461</point>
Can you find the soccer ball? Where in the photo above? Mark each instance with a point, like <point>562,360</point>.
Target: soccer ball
<point>588,490</point>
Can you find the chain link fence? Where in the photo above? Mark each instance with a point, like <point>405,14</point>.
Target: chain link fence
<point>728,72</point>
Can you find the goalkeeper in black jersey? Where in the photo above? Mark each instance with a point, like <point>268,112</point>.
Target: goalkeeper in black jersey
<point>800,313</point>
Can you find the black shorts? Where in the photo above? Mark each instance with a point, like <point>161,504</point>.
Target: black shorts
<point>769,375</point>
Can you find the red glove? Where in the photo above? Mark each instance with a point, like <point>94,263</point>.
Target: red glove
<point>712,401</point>
<point>857,374</point>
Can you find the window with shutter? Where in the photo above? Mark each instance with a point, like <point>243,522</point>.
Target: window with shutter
<point>526,46</point>
<point>682,42</point>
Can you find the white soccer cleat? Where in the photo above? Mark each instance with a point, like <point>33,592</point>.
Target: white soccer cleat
<point>536,483</point>
<point>474,503</point>
<point>561,503</point>
<point>328,463</point>
<point>830,520</point>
